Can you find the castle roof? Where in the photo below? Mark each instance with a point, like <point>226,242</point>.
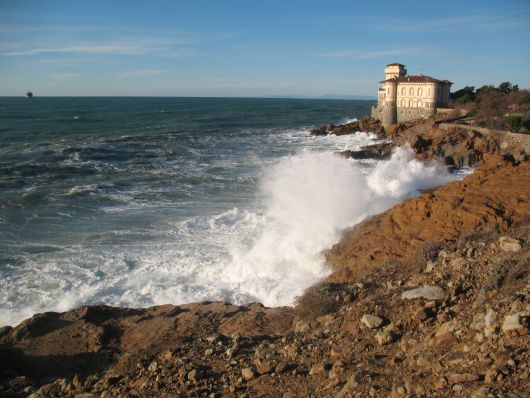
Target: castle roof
<point>395,64</point>
<point>415,79</point>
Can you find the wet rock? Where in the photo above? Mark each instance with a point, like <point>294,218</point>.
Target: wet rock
<point>426,292</point>
<point>376,151</point>
<point>509,244</point>
<point>371,321</point>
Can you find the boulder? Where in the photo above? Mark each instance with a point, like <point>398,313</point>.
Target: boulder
<point>509,244</point>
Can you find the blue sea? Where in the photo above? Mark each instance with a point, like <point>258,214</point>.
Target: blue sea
<point>147,201</point>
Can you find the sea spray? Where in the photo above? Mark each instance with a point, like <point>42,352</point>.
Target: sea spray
<point>310,199</point>
<point>269,252</point>
<point>402,175</point>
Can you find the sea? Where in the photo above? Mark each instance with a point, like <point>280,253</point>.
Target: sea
<point>145,201</point>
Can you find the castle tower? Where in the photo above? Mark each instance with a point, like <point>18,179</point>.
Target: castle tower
<point>389,114</point>
<point>395,70</point>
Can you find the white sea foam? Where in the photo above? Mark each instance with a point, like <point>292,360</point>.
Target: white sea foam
<point>269,252</point>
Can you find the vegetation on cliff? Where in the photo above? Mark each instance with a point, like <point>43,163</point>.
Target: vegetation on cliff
<point>504,107</point>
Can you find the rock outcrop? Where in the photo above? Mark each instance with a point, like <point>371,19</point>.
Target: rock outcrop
<point>488,199</point>
<point>366,123</point>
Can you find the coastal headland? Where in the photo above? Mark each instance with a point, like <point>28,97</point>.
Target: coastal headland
<point>428,299</point>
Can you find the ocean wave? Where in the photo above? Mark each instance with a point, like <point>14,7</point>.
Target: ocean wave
<point>268,252</point>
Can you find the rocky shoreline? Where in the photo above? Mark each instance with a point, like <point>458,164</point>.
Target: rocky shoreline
<point>428,299</point>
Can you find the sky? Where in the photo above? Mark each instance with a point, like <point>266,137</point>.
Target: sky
<point>255,48</point>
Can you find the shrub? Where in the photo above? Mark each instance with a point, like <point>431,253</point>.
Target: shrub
<point>430,250</point>
<point>316,301</point>
<point>514,122</point>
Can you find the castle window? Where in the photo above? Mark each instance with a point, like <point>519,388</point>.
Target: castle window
<point>411,91</point>
<point>403,91</point>
<point>429,92</point>
<point>420,92</point>
<point>410,103</point>
<point>419,104</point>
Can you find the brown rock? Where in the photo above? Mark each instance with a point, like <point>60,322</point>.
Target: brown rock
<point>462,378</point>
<point>195,375</point>
<point>282,367</point>
<point>247,373</point>
<point>509,244</point>
<point>264,368</point>
<point>424,314</point>
<point>317,369</point>
<point>371,321</point>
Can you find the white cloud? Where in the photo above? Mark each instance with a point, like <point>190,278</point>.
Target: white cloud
<point>358,54</point>
<point>65,75</point>
<point>87,49</point>
<point>142,73</point>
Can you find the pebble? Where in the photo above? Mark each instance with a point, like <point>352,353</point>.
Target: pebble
<point>282,367</point>
<point>212,339</point>
<point>513,325</point>
<point>457,378</point>
<point>264,368</point>
<point>316,369</point>
<point>247,373</point>
<point>152,367</point>
<point>371,321</point>
<point>426,292</point>
<point>195,375</point>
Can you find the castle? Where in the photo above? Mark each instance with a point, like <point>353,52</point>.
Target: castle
<point>402,97</point>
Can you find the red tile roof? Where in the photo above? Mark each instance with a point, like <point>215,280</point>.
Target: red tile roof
<point>415,79</point>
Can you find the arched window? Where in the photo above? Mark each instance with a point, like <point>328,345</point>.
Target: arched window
<point>402,103</point>
<point>429,92</point>
<point>388,90</point>
<point>403,91</point>
<point>411,91</point>
<point>420,92</point>
<point>419,104</point>
<point>410,103</point>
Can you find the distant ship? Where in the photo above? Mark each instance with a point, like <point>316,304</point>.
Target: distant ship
<point>29,94</point>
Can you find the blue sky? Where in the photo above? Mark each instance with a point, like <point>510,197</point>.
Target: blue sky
<point>255,48</point>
